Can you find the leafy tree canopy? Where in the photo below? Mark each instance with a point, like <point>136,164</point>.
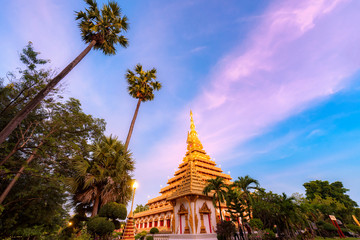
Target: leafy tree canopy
<point>100,226</point>
<point>141,208</point>
<point>53,134</point>
<point>324,189</point>
<point>105,26</point>
<point>113,211</point>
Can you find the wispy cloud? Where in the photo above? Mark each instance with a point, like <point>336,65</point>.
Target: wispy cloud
<point>315,133</point>
<point>297,55</point>
<point>197,49</point>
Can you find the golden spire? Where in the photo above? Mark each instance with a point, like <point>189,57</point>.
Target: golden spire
<point>192,139</point>
<point>192,125</point>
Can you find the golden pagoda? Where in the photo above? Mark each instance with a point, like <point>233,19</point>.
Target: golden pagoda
<point>182,208</point>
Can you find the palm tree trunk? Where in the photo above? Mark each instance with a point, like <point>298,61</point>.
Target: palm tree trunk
<point>18,174</point>
<point>42,94</point>
<point>132,124</point>
<point>96,205</point>
<point>220,210</point>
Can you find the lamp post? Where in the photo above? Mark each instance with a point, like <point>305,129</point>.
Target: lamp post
<point>129,228</point>
<point>135,185</point>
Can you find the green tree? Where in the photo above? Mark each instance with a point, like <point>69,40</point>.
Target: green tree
<point>100,226</point>
<point>141,208</point>
<point>62,122</point>
<point>36,203</point>
<point>325,189</point>
<point>113,211</point>
<point>105,176</point>
<point>102,30</point>
<point>330,198</point>
<point>280,210</point>
<point>141,85</point>
<point>288,215</point>
<point>235,203</point>
<point>246,184</point>
<point>218,187</point>
<point>38,198</point>
<point>22,85</point>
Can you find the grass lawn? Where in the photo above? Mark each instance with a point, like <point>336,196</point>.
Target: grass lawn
<point>320,238</point>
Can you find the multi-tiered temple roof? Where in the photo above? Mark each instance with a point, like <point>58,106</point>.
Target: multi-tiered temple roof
<point>189,179</point>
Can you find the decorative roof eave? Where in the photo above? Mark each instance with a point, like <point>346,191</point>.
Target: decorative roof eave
<point>173,179</point>
<point>156,199</point>
<point>223,175</point>
<point>187,193</point>
<point>153,211</point>
<point>210,167</point>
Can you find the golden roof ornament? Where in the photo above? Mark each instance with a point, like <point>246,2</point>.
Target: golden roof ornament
<point>192,139</point>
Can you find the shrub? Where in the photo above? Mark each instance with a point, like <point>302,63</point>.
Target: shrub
<point>348,232</point>
<point>141,235</point>
<point>269,234</point>
<point>117,235</point>
<point>256,223</point>
<point>327,229</point>
<point>113,211</point>
<point>225,230</point>
<point>82,236</point>
<point>100,226</point>
<point>154,230</point>
<point>149,238</point>
<point>353,228</point>
<point>117,224</point>
<point>66,233</point>
<point>255,237</point>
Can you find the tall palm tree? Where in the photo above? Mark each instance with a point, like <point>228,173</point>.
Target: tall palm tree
<point>219,187</point>
<point>141,86</point>
<point>235,202</point>
<point>101,29</point>
<point>105,177</point>
<point>246,184</point>
<point>288,215</point>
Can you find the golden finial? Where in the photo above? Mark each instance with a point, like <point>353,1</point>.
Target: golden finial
<point>192,125</point>
<point>192,140</point>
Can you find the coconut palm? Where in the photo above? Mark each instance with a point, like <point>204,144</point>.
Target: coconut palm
<point>219,187</point>
<point>101,29</point>
<point>287,215</point>
<point>235,202</point>
<point>246,184</point>
<point>141,86</point>
<point>105,177</point>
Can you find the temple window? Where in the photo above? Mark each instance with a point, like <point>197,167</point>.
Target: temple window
<point>161,223</point>
<point>168,222</point>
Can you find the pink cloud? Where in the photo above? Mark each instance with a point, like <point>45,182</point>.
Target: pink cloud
<point>300,53</point>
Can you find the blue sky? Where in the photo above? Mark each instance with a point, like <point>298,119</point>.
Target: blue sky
<point>273,85</point>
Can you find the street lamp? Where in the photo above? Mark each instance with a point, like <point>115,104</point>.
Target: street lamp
<point>135,185</point>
